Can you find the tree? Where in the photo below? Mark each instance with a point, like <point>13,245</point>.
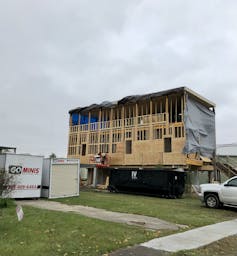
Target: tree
<point>7,184</point>
<point>52,156</point>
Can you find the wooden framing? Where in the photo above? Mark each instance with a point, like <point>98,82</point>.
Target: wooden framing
<point>135,134</point>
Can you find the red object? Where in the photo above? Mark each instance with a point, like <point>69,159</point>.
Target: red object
<point>102,165</point>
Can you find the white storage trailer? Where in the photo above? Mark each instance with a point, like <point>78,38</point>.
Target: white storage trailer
<point>27,174</point>
<point>60,177</point>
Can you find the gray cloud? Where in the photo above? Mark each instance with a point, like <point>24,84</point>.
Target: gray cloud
<point>58,55</point>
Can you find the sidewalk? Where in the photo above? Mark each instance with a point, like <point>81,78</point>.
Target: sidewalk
<point>194,238</point>
<point>188,240</point>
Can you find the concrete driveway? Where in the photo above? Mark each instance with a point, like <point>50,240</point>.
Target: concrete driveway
<point>125,218</point>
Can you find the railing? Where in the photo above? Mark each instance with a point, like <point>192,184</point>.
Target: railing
<point>74,128</point>
<point>105,125</point>
<point>117,123</point>
<point>227,166</point>
<point>94,126</point>
<point>159,118</point>
<point>143,119</point>
<point>128,121</point>
<point>84,127</point>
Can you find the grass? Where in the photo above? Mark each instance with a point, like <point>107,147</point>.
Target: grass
<point>188,210</point>
<point>48,233</point>
<point>44,232</point>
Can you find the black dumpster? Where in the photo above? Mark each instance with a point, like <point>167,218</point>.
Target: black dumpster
<point>165,182</point>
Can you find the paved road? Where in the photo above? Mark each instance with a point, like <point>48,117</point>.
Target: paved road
<point>130,219</point>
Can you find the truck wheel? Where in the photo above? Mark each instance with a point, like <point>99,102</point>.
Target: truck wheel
<point>212,201</point>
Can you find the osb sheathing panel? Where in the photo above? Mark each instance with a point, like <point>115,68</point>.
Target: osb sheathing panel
<point>148,152</point>
<point>178,145</point>
<point>145,153</point>
<point>120,149</point>
<point>174,159</point>
<point>116,159</point>
<point>151,153</point>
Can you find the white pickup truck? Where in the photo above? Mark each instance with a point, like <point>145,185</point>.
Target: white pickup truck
<point>216,195</point>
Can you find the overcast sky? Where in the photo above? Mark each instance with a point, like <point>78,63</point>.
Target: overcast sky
<point>56,55</point>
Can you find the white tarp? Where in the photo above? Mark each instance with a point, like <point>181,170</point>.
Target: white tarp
<point>199,124</point>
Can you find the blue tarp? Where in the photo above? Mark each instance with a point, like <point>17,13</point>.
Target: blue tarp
<point>75,118</point>
<point>84,119</point>
<point>94,119</point>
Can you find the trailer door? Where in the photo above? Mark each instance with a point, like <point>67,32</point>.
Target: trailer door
<point>64,180</point>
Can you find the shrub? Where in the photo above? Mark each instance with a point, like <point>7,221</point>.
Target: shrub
<point>6,187</point>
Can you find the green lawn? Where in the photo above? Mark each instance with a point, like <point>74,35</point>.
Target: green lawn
<point>50,233</point>
<point>47,233</point>
<point>188,210</point>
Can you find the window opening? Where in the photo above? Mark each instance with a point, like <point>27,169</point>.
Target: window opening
<point>83,150</point>
<point>128,147</point>
<point>167,145</point>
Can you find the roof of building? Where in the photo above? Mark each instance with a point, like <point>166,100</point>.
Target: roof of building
<point>7,149</point>
<point>227,149</point>
<point>138,98</point>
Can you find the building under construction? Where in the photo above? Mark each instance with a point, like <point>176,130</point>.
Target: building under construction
<point>173,128</point>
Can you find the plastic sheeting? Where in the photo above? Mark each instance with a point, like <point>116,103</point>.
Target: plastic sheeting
<point>149,96</point>
<point>127,100</point>
<point>200,128</point>
<point>104,104</point>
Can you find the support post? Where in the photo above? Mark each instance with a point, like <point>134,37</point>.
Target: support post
<point>94,177</point>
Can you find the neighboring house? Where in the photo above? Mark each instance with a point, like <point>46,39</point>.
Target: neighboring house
<point>173,128</point>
